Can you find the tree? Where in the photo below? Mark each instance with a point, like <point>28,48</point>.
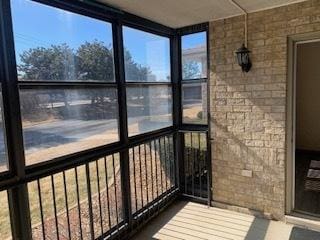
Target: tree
<point>92,61</point>
<point>190,69</point>
<point>95,62</point>
<point>46,64</point>
<point>134,71</point>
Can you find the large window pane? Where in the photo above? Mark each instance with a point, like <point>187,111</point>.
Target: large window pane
<point>149,108</point>
<point>147,56</point>
<point>194,101</point>
<point>59,122</point>
<point>194,56</point>
<point>3,148</point>
<point>56,45</point>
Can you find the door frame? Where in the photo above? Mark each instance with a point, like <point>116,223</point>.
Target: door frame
<point>292,43</point>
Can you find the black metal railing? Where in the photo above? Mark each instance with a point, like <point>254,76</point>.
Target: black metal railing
<point>196,174</point>
<point>83,202</point>
<point>86,200</point>
<point>152,171</point>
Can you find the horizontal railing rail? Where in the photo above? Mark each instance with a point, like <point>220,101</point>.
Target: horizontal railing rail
<point>84,199</point>
<point>51,167</point>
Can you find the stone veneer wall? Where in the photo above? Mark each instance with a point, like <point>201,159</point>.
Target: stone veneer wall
<point>249,110</point>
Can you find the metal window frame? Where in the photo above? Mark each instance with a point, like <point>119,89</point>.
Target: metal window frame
<point>16,179</point>
<point>188,30</point>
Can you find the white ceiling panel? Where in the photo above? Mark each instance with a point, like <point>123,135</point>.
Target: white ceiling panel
<point>179,13</point>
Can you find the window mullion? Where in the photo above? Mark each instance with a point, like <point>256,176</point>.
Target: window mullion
<point>17,196</point>
<point>123,120</point>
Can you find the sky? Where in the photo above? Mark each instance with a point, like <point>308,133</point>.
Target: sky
<point>36,25</point>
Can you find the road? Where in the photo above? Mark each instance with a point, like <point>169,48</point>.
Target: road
<point>51,134</point>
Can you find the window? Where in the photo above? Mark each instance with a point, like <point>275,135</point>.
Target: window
<point>65,68</point>
<point>194,56</point>
<point>147,56</point>
<point>149,108</point>
<point>3,148</point>
<point>149,90</point>
<point>59,122</point>
<point>194,101</point>
<point>194,78</point>
<point>55,45</point>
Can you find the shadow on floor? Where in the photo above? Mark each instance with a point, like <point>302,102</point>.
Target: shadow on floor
<point>258,229</point>
<point>192,221</point>
<point>303,234</point>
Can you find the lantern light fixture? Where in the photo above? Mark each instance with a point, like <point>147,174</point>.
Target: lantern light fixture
<point>243,58</point>
<point>242,53</point>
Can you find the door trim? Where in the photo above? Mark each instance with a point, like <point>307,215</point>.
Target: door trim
<point>292,43</point>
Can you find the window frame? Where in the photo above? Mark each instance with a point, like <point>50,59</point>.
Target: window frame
<point>40,85</point>
<point>14,181</point>
<point>169,84</point>
<point>203,27</point>
<point>118,19</point>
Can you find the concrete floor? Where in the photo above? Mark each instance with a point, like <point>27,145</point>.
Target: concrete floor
<point>186,220</point>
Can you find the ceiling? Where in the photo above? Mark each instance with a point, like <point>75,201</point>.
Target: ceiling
<point>180,13</point>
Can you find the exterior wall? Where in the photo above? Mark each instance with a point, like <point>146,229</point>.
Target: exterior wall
<point>248,110</point>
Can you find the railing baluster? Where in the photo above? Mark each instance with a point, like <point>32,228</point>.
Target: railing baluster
<point>168,160</point>
<point>146,167</point>
<point>78,201</point>
<point>115,193</point>
<point>107,189</point>
<point>55,206</point>
<point>134,178</point>
<point>152,183</point>
<point>67,205</point>
<point>160,161</point>
<point>186,168</point>
<point>192,165</point>
<point>141,184</point>
<point>155,160</point>
<point>99,196</point>
<point>199,160</point>
<point>91,223</point>
<point>41,209</point>
<point>165,161</point>
<point>172,161</point>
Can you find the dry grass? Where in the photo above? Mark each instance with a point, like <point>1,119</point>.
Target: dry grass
<point>5,230</point>
<point>153,176</point>
<point>190,115</point>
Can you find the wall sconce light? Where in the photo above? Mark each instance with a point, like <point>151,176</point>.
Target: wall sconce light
<point>243,52</point>
<point>243,58</point>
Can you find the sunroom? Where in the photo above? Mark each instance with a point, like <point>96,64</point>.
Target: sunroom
<point>148,119</point>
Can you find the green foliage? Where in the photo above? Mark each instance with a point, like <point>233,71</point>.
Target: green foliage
<point>95,62</point>
<point>200,115</point>
<point>135,71</point>
<point>47,63</point>
<point>91,61</point>
<point>190,70</point>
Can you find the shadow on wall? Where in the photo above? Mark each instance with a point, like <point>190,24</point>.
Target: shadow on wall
<point>261,161</point>
<point>248,131</point>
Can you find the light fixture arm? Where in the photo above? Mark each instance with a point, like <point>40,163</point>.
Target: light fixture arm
<point>245,21</point>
